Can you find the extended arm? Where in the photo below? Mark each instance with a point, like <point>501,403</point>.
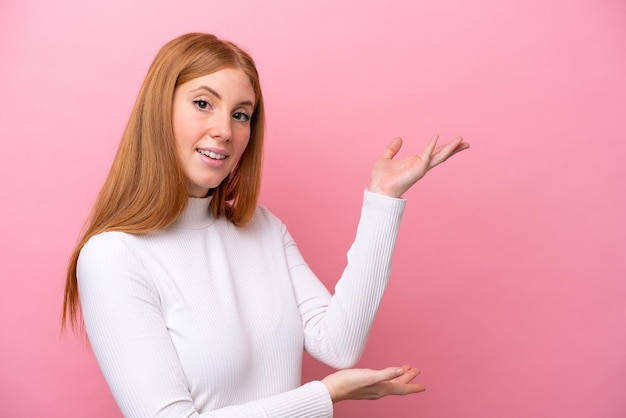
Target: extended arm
<point>337,328</point>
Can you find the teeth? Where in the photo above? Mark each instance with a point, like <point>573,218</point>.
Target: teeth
<point>211,154</point>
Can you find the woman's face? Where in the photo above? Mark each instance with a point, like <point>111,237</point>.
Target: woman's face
<point>211,120</point>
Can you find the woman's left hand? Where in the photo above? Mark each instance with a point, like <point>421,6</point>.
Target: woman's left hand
<point>394,177</point>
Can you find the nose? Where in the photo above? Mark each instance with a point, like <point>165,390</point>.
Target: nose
<point>220,126</point>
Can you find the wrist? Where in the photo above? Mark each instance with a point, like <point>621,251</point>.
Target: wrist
<point>383,192</point>
<point>331,389</point>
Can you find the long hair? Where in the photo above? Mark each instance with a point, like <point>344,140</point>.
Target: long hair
<point>146,188</point>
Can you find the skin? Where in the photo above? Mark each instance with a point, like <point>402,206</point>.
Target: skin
<point>394,177</point>
<point>359,384</point>
<point>212,114</point>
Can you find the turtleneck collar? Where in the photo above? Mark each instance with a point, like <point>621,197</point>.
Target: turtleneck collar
<point>196,214</point>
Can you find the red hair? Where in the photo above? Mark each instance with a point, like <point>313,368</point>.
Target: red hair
<point>146,188</point>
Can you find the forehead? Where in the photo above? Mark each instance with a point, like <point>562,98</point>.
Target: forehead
<point>227,82</point>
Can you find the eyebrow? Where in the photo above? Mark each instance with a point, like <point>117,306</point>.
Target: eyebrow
<point>216,94</point>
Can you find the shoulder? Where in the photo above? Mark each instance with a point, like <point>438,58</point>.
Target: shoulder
<point>264,227</point>
<point>106,248</point>
<point>112,272</point>
<point>113,260</point>
<point>263,217</point>
<point>110,240</point>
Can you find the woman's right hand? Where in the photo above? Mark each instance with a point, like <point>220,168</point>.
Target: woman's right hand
<point>372,384</point>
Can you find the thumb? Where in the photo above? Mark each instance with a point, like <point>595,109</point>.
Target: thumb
<point>392,149</point>
<point>389,373</point>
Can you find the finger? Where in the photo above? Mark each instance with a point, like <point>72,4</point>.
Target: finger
<point>412,388</point>
<point>392,149</point>
<point>439,148</point>
<point>399,388</point>
<point>462,145</point>
<point>448,150</point>
<point>406,368</point>
<point>428,151</point>
<point>409,374</point>
<point>401,385</point>
<point>387,374</point>
<point>431,145</point>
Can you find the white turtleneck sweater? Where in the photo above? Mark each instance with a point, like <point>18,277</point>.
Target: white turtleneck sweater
<point>206,319</point>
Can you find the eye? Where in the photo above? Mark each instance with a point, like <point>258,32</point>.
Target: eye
<point>202,104</point>
<point>241,116</point>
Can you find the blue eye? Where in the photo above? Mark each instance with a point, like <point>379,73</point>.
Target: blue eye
<point>241,116</point>
<point>201,104</point>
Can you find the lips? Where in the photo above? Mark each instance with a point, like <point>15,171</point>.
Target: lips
<point>212,155</point>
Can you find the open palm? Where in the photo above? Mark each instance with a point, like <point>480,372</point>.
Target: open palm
<point>394,177</point>
<point>370,384</point>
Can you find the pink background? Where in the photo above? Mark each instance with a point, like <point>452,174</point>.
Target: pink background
<point>509,282</point>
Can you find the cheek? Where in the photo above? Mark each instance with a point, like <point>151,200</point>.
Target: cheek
<point>184,124</point>
<point>185,134</point>
<point>243,139</point>
<point>179,142</point>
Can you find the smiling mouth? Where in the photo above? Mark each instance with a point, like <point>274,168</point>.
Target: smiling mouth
<point>212,155</point>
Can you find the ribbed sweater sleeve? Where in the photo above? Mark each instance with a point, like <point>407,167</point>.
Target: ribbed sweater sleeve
<point>126,330</point>
<point>336,328</point>
<point>139,298</point>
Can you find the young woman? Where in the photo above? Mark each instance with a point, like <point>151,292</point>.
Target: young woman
<point>196,301</point>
